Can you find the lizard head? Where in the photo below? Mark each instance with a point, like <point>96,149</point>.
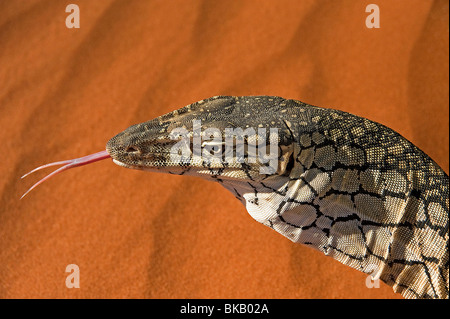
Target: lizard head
<point>220,137</point>
<point>223,137</point>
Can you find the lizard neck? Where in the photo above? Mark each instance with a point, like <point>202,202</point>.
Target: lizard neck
<point>338,199</point>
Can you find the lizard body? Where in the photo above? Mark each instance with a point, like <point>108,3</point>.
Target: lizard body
<point>347,186</point>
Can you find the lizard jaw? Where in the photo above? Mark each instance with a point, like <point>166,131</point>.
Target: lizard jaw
<point>121,164</point>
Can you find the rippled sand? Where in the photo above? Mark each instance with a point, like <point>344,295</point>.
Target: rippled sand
<point>65,92</point>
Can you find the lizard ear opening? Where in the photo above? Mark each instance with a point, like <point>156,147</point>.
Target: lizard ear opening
<point>290,164</point>
<point>286,162</point>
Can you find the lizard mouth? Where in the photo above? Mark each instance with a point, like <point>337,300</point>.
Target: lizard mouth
<point>147,167</point>
<point>121,163</point>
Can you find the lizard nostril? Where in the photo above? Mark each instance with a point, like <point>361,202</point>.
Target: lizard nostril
<point>132,149</point>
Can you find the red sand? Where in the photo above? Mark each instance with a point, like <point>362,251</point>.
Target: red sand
<point>65,92</point>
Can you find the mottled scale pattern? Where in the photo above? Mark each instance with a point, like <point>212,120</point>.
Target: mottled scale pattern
<point>351,188</point>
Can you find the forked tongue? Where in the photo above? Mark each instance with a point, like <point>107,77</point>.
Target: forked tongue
<point>67,164</point>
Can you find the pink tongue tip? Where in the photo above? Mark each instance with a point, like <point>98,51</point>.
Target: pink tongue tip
<point>67,164</point>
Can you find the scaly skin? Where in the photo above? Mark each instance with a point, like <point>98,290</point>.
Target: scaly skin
<point>349,187</point>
